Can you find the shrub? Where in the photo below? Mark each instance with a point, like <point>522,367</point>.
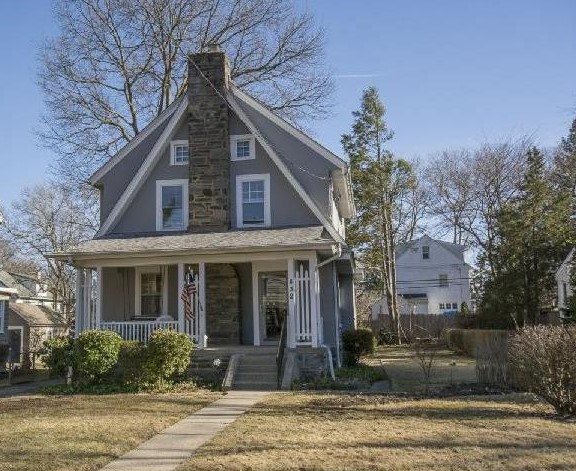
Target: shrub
<point>543,361</point>
<point>4,350</point>
<point>492,360</point>
<point>57,355</point>
<point>386,337</point>
<point>167,355</point>
<point>95,355</point>
<point>131,359</point>
<point>357,343</point>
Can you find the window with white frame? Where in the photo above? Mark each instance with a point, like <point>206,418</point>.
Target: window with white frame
<point>425,252</point>
<point>253,200</point>
<point>441,306</point>
<point>454,305</point>
<point>179,153</point>
<point>242,147</point>
<point>171,205</point>
<point>150,290</point>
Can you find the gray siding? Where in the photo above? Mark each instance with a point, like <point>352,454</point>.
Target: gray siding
<point>118,294</point>
<point>346,295</point>
<point>3,336</point>
<point>115,182</point>
<point>328,306</point>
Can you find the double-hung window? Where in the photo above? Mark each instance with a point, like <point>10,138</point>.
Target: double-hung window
<point>171,205</point>
<point>151,288</point>
<point>242,147</point>
<point>443,280</point>
<point>179,153</point>
<point>253,200</point>
<point>425,252</point>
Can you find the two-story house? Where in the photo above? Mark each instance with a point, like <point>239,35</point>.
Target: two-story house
<point>432,278</point>
<point>563,284</point>
<point>220,193</point>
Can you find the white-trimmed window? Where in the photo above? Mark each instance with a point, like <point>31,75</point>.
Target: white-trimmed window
<point>253,200</point>
<point>151,291</point>
<point>425,252</point>
<point>179,153</point>
<point>242,147</point>
<point>171,205</point>
<point>441,306</point>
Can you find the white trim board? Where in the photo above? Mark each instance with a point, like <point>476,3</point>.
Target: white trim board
<point>149,129</point>
<point>284,169</point>
<point>234,138</point>
<point>144,170</point>
<point>155,269</point>
<point>173,145</point>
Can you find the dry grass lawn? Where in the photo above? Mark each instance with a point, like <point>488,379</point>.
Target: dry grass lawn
<point>85,432</point>
<point>406,375</point>
<point>308,431</point>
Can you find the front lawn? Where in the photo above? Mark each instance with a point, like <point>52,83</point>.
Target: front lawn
<point>318,431</point>
<point>84,432</point>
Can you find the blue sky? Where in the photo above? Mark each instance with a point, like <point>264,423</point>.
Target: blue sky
<point>452,73</point>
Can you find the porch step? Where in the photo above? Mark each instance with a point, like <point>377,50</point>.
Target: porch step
<point>257,370</point>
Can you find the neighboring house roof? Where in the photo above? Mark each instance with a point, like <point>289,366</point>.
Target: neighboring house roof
<point>240,103</point>
<point>456,249</point>
<point>8,281</point>
<point>569,256</point>
<point>35,315</point>
<point>200,243</point>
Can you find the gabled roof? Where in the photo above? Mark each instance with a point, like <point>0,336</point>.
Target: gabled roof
<point>176,116</point>
<point>569,256</point>
<point>8,281</point>
<point>34,314</point>
<point>456,249</point>
<point>122,153</point>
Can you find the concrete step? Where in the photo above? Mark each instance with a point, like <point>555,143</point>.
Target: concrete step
<point>254,378</point>
<point>263,369</point>
<point>255,386</point>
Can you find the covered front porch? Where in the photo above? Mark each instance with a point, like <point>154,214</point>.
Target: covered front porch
<point>236,299</point>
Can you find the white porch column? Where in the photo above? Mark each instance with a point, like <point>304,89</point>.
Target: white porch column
<point>255,306</point>
<point>79,308</point>
<point>291,325</point>
<point>181,319</point>
<point>202,307</point>
<point>87,311</point>
<point>314,301</point>
<point>99,295</point>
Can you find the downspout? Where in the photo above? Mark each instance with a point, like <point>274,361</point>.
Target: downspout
<point>323,345</point>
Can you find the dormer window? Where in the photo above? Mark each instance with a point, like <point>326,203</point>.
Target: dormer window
<point>425,252</point>
<point>179,153</point>
<point>242,147</point>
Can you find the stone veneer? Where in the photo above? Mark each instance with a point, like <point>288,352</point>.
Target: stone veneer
<point>222,304</point>
<point>209,143</point>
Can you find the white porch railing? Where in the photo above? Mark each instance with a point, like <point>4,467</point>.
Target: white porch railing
<point>138,330</point>
<point>303,305</point>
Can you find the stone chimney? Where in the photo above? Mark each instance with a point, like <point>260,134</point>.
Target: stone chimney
<point>209,142</point>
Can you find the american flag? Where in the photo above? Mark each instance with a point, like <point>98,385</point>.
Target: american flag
<point>188,290</point>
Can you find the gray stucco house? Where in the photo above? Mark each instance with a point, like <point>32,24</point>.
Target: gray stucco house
<point>220,191</point>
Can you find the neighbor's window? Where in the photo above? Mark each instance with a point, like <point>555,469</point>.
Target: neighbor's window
<point>179,153</point>
<point>425,252</point>
<point>441,306</point>
<point>454,305</point>
<point>150,294</point>
<point>443,280</point>
<point>242,147</point>
<point>172,205</point>
<point>253,205</point>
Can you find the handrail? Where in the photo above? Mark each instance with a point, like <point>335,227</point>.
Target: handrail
<point>280,351</point>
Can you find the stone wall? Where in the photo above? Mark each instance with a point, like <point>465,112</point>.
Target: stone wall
<point>222,304</point>
<point>209,143</point>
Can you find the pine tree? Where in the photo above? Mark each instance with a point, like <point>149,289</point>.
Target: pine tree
<point>533,231</point>
<point>379,181</point>
<point>564,172</point>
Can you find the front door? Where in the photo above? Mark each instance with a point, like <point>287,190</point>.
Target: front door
<point>273,300</point>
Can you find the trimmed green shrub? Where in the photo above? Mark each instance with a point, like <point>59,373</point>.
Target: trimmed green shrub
<point>57,355</point>
<point>357,343</point>
<point>95,355</point>
<point>131,358</point>
<point>543,360</point>
<point>167,355</point>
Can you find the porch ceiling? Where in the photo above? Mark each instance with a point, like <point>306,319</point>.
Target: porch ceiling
<point>295,238</point>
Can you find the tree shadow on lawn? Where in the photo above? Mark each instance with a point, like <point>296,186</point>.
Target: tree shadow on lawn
<point>391,406</point>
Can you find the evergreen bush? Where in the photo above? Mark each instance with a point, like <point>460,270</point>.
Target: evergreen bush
<point>57,355</point>
<point>357,343</point>
<point>167,355</point>
<point>95,355</point>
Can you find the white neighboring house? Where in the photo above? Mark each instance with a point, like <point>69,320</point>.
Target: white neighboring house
<point>563,281</point>
<point>432,278</point>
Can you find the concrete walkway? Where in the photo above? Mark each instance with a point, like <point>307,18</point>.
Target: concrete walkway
<point>165,451</point>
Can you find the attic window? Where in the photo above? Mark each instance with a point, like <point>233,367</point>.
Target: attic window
<point>242,147</point>
<point>425,252</point>
<point>179,153</point>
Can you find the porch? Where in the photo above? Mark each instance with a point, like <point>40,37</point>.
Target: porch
<point>235,300</point>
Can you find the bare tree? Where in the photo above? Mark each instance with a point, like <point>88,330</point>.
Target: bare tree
<point>43,220</point>
<point>117,64</point>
